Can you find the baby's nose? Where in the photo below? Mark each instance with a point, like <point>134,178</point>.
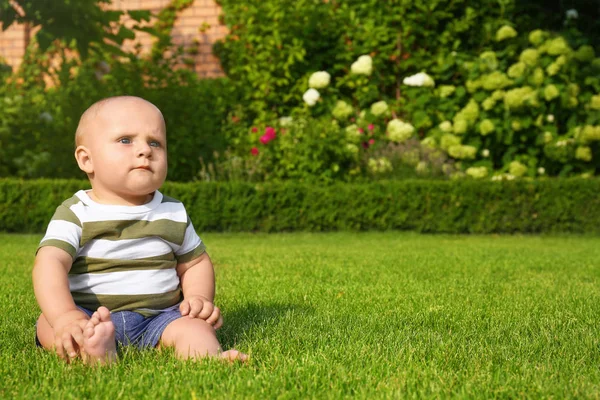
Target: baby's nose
<point>144,150</point>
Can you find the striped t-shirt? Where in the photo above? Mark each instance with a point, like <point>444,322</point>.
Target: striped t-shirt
<point>124,257</point>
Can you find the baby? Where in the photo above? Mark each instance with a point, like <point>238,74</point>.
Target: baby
<point>124,250</point>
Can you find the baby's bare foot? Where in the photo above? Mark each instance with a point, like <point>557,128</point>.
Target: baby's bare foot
<point>234,355</point>
<point>99,345</point>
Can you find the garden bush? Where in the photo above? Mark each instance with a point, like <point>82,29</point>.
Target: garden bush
<point>528,105</point>
<point>37,124</point>
<point>540,206</point>
<point>274,45</point>
<point>42,102</point>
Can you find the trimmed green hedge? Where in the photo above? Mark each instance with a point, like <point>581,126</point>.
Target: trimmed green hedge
<point>570,205</point>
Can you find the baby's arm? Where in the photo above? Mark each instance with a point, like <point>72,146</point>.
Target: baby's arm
<point>198,285</point>
<point>51,287</point>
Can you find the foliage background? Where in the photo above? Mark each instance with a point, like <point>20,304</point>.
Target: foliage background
<point>268,56</point>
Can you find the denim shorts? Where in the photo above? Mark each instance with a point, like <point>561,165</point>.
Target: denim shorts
<point>132,328</point>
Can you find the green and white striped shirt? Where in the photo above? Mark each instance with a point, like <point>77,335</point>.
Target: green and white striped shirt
<point>124,257</point>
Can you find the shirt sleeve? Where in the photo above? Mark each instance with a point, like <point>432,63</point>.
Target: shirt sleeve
<point>64,231</point>
<point>192,246</point>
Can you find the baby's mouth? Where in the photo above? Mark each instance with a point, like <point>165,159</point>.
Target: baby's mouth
<point>144,167</point>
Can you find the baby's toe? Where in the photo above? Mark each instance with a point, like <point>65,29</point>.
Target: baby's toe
<point>103,314</point>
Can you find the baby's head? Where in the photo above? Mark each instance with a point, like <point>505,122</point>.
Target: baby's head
<point>122,147</point>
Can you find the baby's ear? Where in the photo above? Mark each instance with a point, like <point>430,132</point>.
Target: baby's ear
<point>82,155</point>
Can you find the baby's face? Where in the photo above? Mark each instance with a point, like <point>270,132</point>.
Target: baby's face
<point>127,144</point>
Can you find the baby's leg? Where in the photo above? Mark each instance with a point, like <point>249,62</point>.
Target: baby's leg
<point>99,346</point>
<point>196,338</point>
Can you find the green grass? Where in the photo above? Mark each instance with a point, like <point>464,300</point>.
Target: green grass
<point>371,315</point>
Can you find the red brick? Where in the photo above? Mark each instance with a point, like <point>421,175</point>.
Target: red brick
<point>153,4</point>
<point>190,21</point>
<point>185,31</point>
<point>13,34</point>
<point>12,52</point>
<point>126,4</point>
<point>205,12</point>
<point>205,48</point>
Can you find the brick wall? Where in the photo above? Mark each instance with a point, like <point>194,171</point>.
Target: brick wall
<point>12,44</point>
<point>186,30</point>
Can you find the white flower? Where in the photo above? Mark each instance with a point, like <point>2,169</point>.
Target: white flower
<point>572,14</point>
<point>46,116</point>
<point>362,66</point>
<point>550,118</point>
<point>311,96</point>
<point>477,172</point>
<point>420,79</point>
<point>285,121</point>
<point>319,80</point>
<point>561,143</point>
<point>379,108</point>
<point>485,153</point>
<point>399,131</point>
<point>446,126</point>
<point>541,170</point>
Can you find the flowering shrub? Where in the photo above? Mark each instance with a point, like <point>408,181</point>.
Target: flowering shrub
<point>527,107</point>
<point>273,46</point>
<point>529,104</point>
<point>337,137</point>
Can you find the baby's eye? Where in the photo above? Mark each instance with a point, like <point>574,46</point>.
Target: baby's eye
<point>125,140</point>
<point>154,143</point>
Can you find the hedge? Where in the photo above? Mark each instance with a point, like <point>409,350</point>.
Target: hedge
<point>468,206</point>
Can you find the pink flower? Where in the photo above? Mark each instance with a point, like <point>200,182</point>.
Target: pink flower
<point>371,127</point>
<point>254,151</point>
<point>254,129</point>
<point>371,141</point>
<point>361,130</point>
<point>270,132</point>
<point>268,136</point>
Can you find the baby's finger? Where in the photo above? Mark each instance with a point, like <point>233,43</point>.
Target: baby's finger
<point>67,342</point>
<point>214,317</point>
<point>77,335</point>
<point>196,306</point>
<point>184,308</point>
<point>207,311</point>
<point>58,347</point>
<point>219,323</point>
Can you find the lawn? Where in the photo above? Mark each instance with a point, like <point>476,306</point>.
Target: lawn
<point>370,315</point>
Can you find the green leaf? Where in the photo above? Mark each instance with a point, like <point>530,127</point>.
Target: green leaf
<point>140,15</point>
<point>147,29</point>
<point>8,15</point>
<point>125,33</point>
<point>44,39</point>
<point>112,15</point>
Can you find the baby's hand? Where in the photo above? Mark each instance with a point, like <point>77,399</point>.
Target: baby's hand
<point>199,307</point>
<point>68,334</point>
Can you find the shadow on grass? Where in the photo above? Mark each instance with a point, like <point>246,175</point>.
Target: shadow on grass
<point>248,320</point>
